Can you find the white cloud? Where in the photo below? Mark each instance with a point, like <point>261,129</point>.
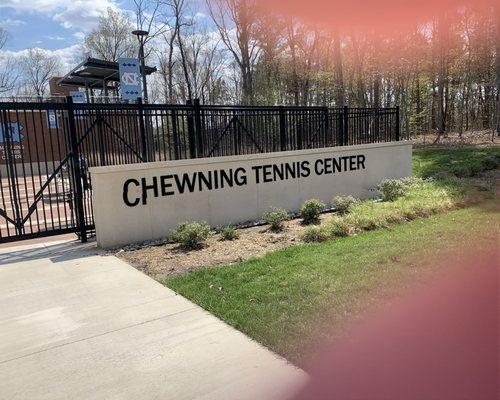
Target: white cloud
<point>81,14</point>
<point>11,23</point>
<point>69,56</point>
<point>79,35</point>
<point>56,37</point>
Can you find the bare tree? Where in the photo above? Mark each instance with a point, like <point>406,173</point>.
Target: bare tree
<point>339,95</point>
<point>151,17</point>
<point>111,39</point>
<point>497,67</point>
<point>202,62</point>
<point>8,73</point>
<point>37,68</point>
<point>166,55</point>
<point>237,23</point>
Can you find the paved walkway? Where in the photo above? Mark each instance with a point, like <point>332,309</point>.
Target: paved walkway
<point>75,325</point>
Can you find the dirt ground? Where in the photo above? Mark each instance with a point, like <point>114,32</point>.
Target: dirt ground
<point>484,138</point>
<point>167,260</point>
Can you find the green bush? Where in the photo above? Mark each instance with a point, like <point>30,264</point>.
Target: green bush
<point>410,181</point>
<point>228,233</point>
<point>191,234</point>
<point>341,204</point>
<point>491,162</point>
<point>314,234</point>
<point>463,170</point>
<point>275,219</point>
<point>392,189</point>
<point>310,210</point>
<point>339,227</point>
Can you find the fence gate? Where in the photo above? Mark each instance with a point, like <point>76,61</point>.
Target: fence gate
<point>46,150</point>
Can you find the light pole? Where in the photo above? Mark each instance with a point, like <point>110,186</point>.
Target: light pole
<point>141,36</point>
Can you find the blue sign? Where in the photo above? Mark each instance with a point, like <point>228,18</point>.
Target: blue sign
<point>78,97</point>
<point>52,119</point>
<point>13,132</point>
<point>130,78</point>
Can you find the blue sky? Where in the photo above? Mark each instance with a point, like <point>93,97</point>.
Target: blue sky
<point>55,25</point>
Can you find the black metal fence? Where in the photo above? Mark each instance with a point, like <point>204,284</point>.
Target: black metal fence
<point>46,148</point>
<point>194,131</point>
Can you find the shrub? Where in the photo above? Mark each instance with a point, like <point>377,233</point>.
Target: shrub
<point>310,210</point>
<point>191,234</point>
<point>363,222</point>
<point>392,189</point>
<point>314,234</point>
<point>275,218</point>
<point>339,227</point>
<point>491,162</point>
<point>463,171</point>
<point>343,203</point>
<point>410,181</point>
<point>228,233</point>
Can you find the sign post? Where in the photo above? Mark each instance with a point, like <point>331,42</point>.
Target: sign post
<point>130,78</point>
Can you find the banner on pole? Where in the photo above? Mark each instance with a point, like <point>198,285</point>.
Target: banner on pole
<point>130,78</point>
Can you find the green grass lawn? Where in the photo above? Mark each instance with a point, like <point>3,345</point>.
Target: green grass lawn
<point>462,161</point>
<point>278,299</point>
<point>281,299</point>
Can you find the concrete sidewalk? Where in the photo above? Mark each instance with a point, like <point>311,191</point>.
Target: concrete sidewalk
<point>76,324</point>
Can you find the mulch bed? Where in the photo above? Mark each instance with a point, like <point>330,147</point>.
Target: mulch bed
<point>167,260</point>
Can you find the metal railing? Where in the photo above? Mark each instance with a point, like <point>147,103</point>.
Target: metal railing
<point>47,147</point>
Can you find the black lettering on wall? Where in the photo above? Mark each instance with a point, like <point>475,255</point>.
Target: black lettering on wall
<point>240,176</point>
<point>336,165</point>
<point>203,180</point>
<point>257,169</point>
<point>268,173</point>
<point>164,184</point>
<point>305,170</point>
<point>168,185</point>
<point>146,187</point>
<point>227,178</point>
<point>278,172</point>
<point>361,161</point>
<point>344,159</point>
<point>290,170</point>
<point>318,167</point>
<point>126,185</point>
<point>352,163</point>
<point>181,184</point>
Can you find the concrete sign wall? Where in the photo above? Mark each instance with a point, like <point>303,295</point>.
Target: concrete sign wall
<point>138,202</point>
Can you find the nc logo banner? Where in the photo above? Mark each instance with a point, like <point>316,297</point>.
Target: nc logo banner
<point>13,132</point>
<point>130,78</point>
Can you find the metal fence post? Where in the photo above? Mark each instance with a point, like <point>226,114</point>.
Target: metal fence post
<point>345,127</point>
<point>398,135</point>
<point>142,130</point>
<point>197,127</point>
<point>327,128</point>
<point>282,128</point>
<point>191,132</point>
<point>100,138</point>
<point>75,164</point>
<point>175,134</point>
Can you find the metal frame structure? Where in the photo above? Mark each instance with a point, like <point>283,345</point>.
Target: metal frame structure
<point>93,73</point>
